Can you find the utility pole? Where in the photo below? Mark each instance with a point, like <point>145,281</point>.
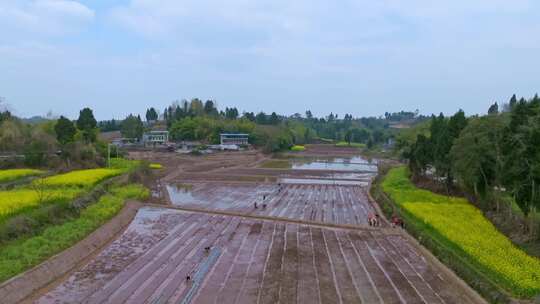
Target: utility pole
<point>108,155</point>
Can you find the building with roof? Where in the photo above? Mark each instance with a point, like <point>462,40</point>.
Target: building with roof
<point>153,138</point>
<point>234,138</point>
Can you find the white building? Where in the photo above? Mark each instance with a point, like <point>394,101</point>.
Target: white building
<point>155,138</point>
<point>234,139</point>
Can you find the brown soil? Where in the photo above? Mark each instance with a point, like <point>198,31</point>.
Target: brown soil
<point>259,262</point>
<point>292,251</point>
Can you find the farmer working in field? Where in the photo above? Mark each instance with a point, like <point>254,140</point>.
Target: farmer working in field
<point>374,220</point>
<point>396,221</point>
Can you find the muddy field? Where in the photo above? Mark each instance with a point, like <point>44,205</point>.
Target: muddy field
<point>251,261</point>
<point>288,251</point>
<point>323,203</point>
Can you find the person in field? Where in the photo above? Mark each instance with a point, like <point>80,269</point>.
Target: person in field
<point>255,205</point>
<point>371,219</point>
<point>396,221</point>
<point>374,220</point>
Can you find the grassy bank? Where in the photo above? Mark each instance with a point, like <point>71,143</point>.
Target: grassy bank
<point>23,254</point>
<point>461,237</point>
<point>351,145</point>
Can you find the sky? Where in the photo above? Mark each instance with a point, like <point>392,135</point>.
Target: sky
<point>350,56</point>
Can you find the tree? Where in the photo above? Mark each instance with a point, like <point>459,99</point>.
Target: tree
<point>65,130</point>
<point>132,127</point>
<point>184,129</point>
<point>87,124</point>
<point>210,108</point>
<point>196,107</point>
<point>522,156</point>
<point>260,118</point>
<point>249,116</point>
<point>151,114</point>
<point>512,102</point>
<point>493,109</point>
<point>477,155</point>
<point>274,119</point>
<point>349,136</point>
<point>420,155</point>
<point>231,113</point>
<point>360,135</point>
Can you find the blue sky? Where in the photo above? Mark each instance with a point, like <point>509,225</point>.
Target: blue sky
<point>360,57</point>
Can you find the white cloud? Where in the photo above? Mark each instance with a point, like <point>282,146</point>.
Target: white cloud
<point>49,17</point>
<point>166,17</point>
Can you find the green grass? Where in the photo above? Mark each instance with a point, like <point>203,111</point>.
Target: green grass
<point>124,164</point>
<point>15,174</point>
<point>353,145</point>
<point>462,229</point>
<point>21,255</point>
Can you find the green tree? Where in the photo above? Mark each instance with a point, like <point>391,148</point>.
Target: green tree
<point>151,114</point>
<point>65,130</point>
<point>420,155</point>
<point>349,136</point>
<point>132,127</point>
<point>231,113</point>
<point>261,118</point>
<point>493,109</point>
<point>477,156</point>
<point>196,107</point>
<point>249,116</point>
<point>210,108</point>
<point>184,129</point>
<point>87,124</point>
<point>512,102</point>
<point>274,119</point>
<point>522,156</point>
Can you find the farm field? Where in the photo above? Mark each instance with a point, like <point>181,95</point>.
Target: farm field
<point>311,244</point>
<point>17,256</point>
<point>322,203</point>
<point>251,261</point>
<point>56,188</point>
<point>463,228</point>
<point>15,174</point>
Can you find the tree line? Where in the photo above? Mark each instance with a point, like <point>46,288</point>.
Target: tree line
<point>490,156</point>
<point>53,143</point>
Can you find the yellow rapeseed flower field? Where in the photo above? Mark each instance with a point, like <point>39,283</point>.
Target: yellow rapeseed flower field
<point>15,200</point>
<point>155,166</point>
<point>80,178</point>
<point>13,174</point>
<point>58,187</point>
<point>464,225</point>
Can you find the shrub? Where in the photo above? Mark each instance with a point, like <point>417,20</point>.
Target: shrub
<point>297,148</point>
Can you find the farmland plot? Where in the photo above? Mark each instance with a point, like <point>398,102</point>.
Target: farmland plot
<point>252,261</point>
